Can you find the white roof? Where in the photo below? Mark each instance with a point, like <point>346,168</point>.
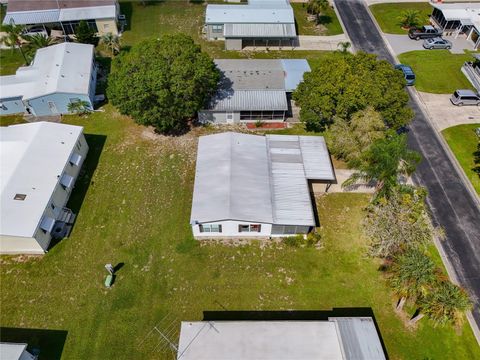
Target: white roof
<point>461,11</point>
<point>62,68</point>
<point>255,12</point>
<point>87,13</point>
<point>13,351</point>
<point>258,178</point>
<point>279,340</point>
<point>32,159</point>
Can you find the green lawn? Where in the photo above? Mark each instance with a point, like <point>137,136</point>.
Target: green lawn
<point>329,24</point>
<point>387,15</point>
<point>10,61</point>
<point>463,142</point>
<point>437,71</point>
<point>133,206</point>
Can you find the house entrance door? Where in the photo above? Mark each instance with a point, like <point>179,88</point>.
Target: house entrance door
<point>53,107</point>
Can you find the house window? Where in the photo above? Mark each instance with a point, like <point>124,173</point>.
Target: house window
<point>217,28</point>
<point>106,26</point>
<point>79,145</point>
<point>75,159</point>
<point>217,228</point>
<point>249,228</point>
<point>19,197</point>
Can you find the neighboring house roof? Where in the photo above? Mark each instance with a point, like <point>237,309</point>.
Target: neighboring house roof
<point>62,68</point>
<point>259,30</point>
<point>279,340</point>
<point>22,12</point>
<point>32,159</point>
<point>258,178</point>
<point>468,12</point>
<point>255,12</point>
<point>256,84</point>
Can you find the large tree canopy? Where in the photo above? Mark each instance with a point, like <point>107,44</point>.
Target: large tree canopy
<point>342,84</point>
<point>162,82</point>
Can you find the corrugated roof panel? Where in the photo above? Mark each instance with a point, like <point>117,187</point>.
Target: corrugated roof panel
<point>250,100</point>
<point>294,70</point>
<point>259,30</point>
<point>86,13</point>
<point>359,338</point>
<point>270,12</point>
<point>32,17</point>
<point>316,159</point>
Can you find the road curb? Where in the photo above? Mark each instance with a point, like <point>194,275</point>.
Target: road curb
<point>414,93</point>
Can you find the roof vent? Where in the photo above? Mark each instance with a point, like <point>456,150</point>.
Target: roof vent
<point>62,76</point>
<point>20,197</point>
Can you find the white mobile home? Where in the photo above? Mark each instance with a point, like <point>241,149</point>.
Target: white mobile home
<point>59,75</point>
<point>338,338</point>
<point>258,23</point>
<point>64,15</point>
<point>39,165</point>
<point>254,90</point>
<point>257,186</point>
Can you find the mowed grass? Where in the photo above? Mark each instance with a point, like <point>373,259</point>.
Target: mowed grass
<point>437,71</point>
<point>329,23</point>
<point>10,61</point>
<point>133,204</point>
<point>463,142</point>
<point>387,15</point>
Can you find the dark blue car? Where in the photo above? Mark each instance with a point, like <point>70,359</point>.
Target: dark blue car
<point>407,73</point>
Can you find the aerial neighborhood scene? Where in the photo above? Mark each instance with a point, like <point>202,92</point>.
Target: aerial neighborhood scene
<point>240,179</point>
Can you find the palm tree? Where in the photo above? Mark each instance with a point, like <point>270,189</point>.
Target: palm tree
<point>383,163</point>
<point>344,46</point>
<point>315,7</point>
<point>13,39</point>
<point>446,303</point>
<point>112,42</point>
<point>411,275</point>
<point>36,42</point>
<point>409,18</point>
<point>80,107</point>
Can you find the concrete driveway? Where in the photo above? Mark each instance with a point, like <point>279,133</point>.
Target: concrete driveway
<point>402,43</point>
<point>444,115</point>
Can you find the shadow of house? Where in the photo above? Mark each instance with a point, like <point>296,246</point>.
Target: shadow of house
<point>296,315</point>
<point>95,144</point>
<point>49,343</point>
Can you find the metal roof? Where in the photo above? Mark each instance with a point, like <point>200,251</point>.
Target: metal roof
<point>258,178</point>
<point>13,351</point>
<point>278,340</point>
<point>294,70</point>
<point>256,12</point>
<point>256,84</point>
<point>28,150</point>
<point>259,30</point>
<point>32,17</point>
<point>29,5</point>
<point>65,68</point>
<point>359,338</point>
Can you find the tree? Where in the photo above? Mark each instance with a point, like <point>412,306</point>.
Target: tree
<point>36,42</point>
<point>476,159</point>
<point>84,34</point>
<point>80,107</point>
<point>344,46</point>
<point>446,303</point>
<point>385,161</point>
<point>349,140</point>
<point>341,84</point>
<point>162,82</point>
<point>409,18</point>
<point>398,223</point>
<point>316,7</point>
<point>112,42</point>
<point>13,39</point>
<point>411,275</point>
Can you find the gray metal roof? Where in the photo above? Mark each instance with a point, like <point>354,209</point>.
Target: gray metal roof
<point>259,30</point>
<point>294,70</point>
<point>257,178</point>
<point>249,100</point>
<point>256,12</point>
<point>359,338</point>
<point>32,17</point>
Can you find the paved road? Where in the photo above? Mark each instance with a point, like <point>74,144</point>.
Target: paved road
<point>452,206</point>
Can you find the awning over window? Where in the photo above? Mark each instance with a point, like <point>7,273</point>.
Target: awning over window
<point>47,224</point>
<point>76,159</point>
<point>67,180</point>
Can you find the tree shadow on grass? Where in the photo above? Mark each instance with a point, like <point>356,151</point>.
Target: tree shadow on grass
<point>48,343</point>
<point>294,315</point>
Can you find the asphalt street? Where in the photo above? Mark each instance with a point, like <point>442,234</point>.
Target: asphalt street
<point>451,204</point>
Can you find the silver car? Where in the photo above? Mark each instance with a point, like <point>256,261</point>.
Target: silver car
<point>465,97</point>
<point>437,43</point>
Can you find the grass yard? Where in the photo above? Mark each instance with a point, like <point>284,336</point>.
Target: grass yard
<point>437,71</point>
<point>387,15</point>
<point>463,142</point>
<point>10,61</point>
<point>329,24</point>
<point>133,204</point>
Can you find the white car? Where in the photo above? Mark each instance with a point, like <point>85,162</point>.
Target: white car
<point>35,30</point>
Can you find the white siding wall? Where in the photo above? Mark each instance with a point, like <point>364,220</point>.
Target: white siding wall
<point>230,229</point>
<point>19,245</point>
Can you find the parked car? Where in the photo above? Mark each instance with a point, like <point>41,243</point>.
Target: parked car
<point>424,32</point>
<point>465,97</point>
<point>407,73</point>
<point>35,30</point>
<point>437,43</point>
